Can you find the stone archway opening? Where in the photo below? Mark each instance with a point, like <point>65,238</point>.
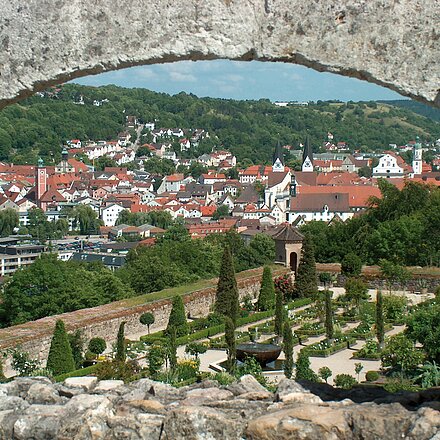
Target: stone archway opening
<point>394,45</point>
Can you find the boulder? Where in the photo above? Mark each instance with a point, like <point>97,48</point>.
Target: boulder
<point>146,426</point>
<point>85,382</point>
<point>246,384</point>
<point>199,423</point>
<point>12,403</point>
<point>43,393</point>
<point>104,386</point>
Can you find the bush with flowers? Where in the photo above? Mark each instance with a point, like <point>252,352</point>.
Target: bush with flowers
<point>283,284</point>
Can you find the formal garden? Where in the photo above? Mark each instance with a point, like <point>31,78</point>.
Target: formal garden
<point>311,322</point>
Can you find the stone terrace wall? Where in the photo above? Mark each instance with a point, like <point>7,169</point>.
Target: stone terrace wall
<point>103,321</point>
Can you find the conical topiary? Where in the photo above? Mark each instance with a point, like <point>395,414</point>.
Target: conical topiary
<point>226,301</point>
<point>60,359</point>
<point>306,281</point>
<point>266,298</point>
<point>177,318</point>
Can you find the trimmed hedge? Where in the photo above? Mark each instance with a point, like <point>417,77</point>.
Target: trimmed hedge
<point>77,373</point>
<point>328,351</point>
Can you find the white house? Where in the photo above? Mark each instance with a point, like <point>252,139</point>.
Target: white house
<point>110,214</point>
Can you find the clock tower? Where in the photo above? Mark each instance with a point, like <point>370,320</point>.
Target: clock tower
<point>40,181</point>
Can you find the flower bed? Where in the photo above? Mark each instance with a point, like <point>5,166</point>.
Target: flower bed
<point>311,329</point>
<point>324,349</point>
<point>370,351</point>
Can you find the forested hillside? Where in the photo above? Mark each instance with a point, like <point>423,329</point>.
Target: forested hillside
<point>250,129</point>
<point>416,107</point>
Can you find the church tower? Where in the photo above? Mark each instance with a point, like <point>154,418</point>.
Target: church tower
<point>307,159</point>
<point>278,162</point>
<point>417,158</point>
<point>40,181</point>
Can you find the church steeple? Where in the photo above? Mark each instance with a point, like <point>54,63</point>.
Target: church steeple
<point>417,157</point>
<point>278,161</point>
<point>307,159</point>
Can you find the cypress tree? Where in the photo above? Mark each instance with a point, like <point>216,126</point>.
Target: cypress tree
<point>177,318</point>
<point>226,301</point>
<point>172,347</point>
<point>306,281</point>
<point>60,359</point>
<point>279,313</point>
<point>121,348</point>
<point>380,330</point>
<point>303,370</point>
<point>288,350</point>
<point>329,316</point>
<point>266,298</point>
<point>230,343</point>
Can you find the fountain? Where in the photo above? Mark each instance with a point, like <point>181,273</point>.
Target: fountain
<point>263,353</point>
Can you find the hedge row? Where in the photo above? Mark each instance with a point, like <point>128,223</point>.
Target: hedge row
<point>77,373</point>
<point>328,351</point>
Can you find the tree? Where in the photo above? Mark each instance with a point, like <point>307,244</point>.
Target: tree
<point>60,359</point>
<point>177,317</point>
<point>288,350</point>
<point>325,373</point>
<point>77,345</point>
<point>156,359</point>
<point>121,345</point>
<point>9,220</point>
<point>380,328</point>
<point>230,344</point>
<point>147,319</point>
<point>329,316</point>
<point>423,326</point>
<point>393,273</point>
<point>97,346</point>
<point>358,367</point>
<point>399,353</point>
<point>266,298</point>
<point>221,212</point>
<point>279,314</point>
<point>356,291</point>
<point>306,282</point>
<point>172,347</point>
<point>303,370</point>
<point>226,301</point>
<point>86,218</point>
<point>351,265</point>
<point>195,349</point>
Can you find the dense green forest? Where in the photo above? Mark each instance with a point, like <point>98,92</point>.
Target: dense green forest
<point>250,129</point>
<point>416,107</point>
<point>402,227</point>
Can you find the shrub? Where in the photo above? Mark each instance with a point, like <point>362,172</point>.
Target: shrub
<point>371,376</point>
<point>400,353</point>
<point>195,349</point>
<point>117,370</point>
<point>345,381</point>
<point>97,346</point>
<point>303,370</point>
<point>121,345</point>
<point>325,373</point>
<point>156,359</point>
<point>351,265</point>
<point>224,378</point>
<point>60,358</point>
<point>266,298</point>
<point>23,364</point>
<point>177,317</point>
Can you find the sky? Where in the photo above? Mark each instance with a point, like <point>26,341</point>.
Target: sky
<point>243,80</point>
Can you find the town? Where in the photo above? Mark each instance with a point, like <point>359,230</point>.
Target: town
<point>145,174</point>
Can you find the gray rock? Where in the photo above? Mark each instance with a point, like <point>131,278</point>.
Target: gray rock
<point>43,393</point>
<point>85,382</point>
<point>40,422</point>
<point>146,426</point>
<point>159,390</point>
<point>20,385</point>
<point>7,421</point>
<point>108,385</point>
<point>288,386</point>
<point>246,384</point>
<point>199,423</point>
<point>12,402</point>
<point>379,41</point>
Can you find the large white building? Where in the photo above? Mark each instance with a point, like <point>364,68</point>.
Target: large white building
<point>391,166</point>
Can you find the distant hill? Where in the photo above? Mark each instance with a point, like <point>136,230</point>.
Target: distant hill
<point>416,107</point>
<point>250,129</point>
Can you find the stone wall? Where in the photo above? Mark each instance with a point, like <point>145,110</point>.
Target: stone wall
<point>392,43</point>
<point>103,321</point>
